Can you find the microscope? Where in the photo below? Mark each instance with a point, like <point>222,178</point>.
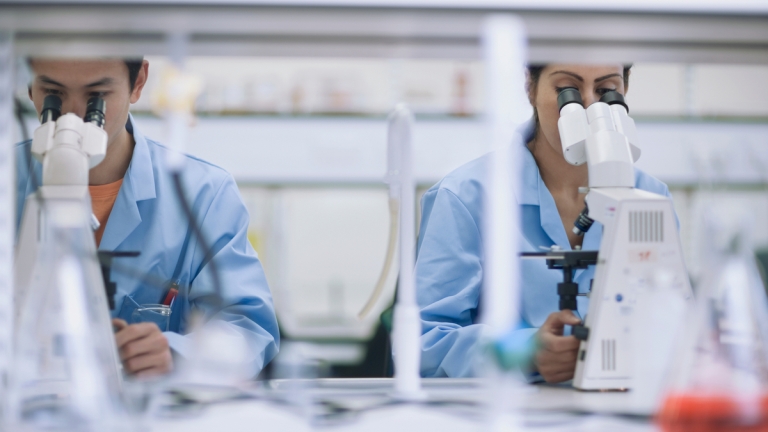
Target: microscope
<point>640,244</point>
<point>68,147</point>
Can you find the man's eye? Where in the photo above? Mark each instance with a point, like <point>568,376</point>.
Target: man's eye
<point>52,92</point>
<point>97,94</point>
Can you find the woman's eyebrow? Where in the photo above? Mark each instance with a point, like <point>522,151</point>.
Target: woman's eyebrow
<point>578,77</point>
<point>605,77</point>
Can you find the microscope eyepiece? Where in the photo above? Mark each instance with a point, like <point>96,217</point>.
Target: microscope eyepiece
<point>94,111</point>
<point>569,95</point>
<point>51,109</point>
<point>613,97</point>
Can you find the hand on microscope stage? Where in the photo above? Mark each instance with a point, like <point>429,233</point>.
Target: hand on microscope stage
<point>143,348</point>
<point>555,358</point>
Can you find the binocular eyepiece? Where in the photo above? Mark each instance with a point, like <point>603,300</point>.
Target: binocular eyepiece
<point>94,110</point>
<point>51,109</point>
<point>568,95</point>
<point>572,95</point>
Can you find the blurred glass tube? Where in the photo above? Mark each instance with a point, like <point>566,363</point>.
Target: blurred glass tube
<point>66,369</point>
<point>505,52</point>
<point>406,326</point>
<point>7,212</point>
<point>505,55</point>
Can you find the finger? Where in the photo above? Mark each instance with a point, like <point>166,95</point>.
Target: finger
<point>558,365</point>
<point>159,362</point>
<point>133,332</point>
<point>562,344</point>
<point>556,321</point>
<point>567,317</point>
<point>118,324</point>
<point>558,377</point>
<point>555,362</point>
<point>558,344</point>
<point>153,343</point>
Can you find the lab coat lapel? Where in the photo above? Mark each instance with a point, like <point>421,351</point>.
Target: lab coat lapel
<point>138,185</point>
<point>550,217</point>
<point>535,192</point>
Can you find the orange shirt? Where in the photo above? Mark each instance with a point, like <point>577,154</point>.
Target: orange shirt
<point>102,200</point>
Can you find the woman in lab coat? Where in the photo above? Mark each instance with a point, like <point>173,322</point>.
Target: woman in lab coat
<point>449,265</point>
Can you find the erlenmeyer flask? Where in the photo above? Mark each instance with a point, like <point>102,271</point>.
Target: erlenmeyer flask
<point>720,380</point>
<point>66,370</point>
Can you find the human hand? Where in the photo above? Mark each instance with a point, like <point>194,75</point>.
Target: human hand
<point>143,348</point>
<point>555,358</point>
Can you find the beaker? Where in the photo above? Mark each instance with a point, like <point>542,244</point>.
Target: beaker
<point>720,381</point>
<point>66,368</point>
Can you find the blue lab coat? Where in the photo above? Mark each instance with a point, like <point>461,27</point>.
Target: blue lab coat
<point>449,264</point>
<point>147,218</point>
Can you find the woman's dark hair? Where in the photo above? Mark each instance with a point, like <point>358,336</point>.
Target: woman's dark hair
<point>534,73</point>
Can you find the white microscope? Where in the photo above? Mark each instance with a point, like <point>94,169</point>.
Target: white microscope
<point>57,229</point>
<point>640,241</point>
<point>68,147</point>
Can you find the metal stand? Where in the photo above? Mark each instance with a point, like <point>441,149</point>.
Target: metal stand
<point>105,260</point>
<point>568,290</point>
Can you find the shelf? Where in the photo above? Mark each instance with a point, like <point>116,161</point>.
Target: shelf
<point>601,33</point>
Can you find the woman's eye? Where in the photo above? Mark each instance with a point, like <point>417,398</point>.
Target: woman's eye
<point>559,89</point>
<point>602,91</point>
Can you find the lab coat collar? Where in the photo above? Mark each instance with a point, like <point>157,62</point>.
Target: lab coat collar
<point>535,192</point>
<point>141,170</point>
<point>138,185</point>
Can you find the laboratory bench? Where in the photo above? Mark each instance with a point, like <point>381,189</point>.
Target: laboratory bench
<point>368,405</point>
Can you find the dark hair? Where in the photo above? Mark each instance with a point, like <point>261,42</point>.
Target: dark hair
<point>534,73</point>
<point>134,66</point>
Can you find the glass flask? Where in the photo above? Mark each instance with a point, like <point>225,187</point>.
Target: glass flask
<point>67,373</point>
<point>720,379</point>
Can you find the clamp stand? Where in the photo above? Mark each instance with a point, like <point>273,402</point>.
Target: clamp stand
<point>568,290</point>
<point>105,260</point>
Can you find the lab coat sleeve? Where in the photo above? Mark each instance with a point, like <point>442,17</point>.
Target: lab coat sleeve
<point>448,276</point>
<point>25,168</point>
<point>248,308</point>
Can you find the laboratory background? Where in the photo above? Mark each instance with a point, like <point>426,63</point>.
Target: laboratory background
<point>303,129</point>
<point>305,140</point>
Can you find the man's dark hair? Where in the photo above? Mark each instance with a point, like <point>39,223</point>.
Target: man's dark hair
<point>134,66</point>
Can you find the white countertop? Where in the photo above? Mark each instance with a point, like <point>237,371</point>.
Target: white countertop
<point>366,405</point>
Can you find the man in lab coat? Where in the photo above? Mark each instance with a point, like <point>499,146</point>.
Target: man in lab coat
<point>134,199</point>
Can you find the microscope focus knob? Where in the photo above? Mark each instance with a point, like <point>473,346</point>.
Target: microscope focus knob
<point>580,332</point>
